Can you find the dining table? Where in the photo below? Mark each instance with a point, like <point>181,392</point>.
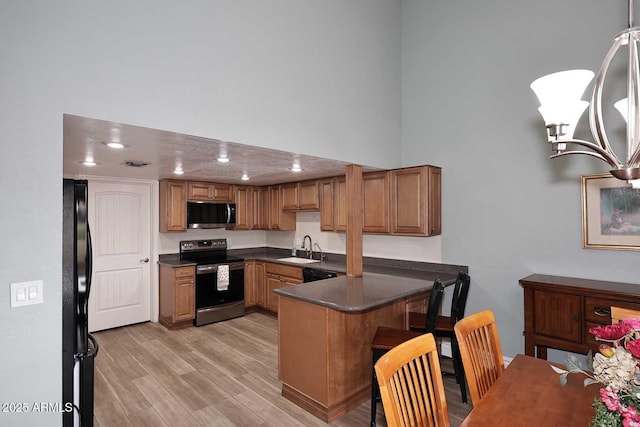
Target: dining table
<point>529,393</point>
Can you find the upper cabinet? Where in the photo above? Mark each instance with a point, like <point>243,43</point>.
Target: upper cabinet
<point>375,209</point>
<point>210,192</point>
<point>300,196</point>
<point>333,204</point>
<point>173,206</point>
<point>279,219</point>
<point>244,208</point>
<point>415,201</point>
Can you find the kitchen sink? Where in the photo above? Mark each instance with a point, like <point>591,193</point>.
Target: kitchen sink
<point>297,260</point>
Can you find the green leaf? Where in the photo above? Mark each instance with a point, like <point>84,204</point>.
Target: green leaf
<point>589,381</point>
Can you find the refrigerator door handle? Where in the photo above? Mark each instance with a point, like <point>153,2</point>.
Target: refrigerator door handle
<point>95,347</point>
<point>89,260</point>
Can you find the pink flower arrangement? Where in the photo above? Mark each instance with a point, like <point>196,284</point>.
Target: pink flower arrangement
<point>617,366</point>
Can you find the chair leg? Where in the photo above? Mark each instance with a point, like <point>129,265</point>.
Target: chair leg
<point>459,369</point>
<point>375,389</point>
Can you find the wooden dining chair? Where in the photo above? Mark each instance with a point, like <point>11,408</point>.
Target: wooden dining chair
<point>387,338</point>
<point>481,352</point>
<point>619,313</point>
<point>411,384</point>
<point>444,326</point>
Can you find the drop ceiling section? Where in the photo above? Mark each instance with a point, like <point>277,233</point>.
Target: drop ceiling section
<point>197,156</point>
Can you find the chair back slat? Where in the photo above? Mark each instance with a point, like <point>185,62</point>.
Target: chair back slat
<point>481,352</point>
<point>411,384</point>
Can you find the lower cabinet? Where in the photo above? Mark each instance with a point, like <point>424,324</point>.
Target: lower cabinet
<point>278,276</point>
<point>254,284</point>
<point>177,296</point>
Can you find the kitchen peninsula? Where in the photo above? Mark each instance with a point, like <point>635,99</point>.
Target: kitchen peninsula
<point>325,330</point>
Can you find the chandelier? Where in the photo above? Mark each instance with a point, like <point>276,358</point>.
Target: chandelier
<point>561,107</point>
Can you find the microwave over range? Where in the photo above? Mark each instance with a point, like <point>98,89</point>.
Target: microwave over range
<point>211,215</point>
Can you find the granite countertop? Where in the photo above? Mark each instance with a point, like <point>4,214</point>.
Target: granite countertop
<point>383,280</point>
<point>356,294</point>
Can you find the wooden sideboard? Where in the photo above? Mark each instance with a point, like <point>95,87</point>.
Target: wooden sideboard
<point>559,311</point>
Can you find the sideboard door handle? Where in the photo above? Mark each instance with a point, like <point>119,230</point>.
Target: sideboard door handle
<point>601,311</point>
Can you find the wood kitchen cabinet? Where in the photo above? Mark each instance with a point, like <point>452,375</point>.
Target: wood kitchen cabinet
<point>415,201</point>
<point>300,196</point>
<point>177,296</point>
<point>375,209</point>
<point>173,205</point>
<point>278,276</point>
<point>278,219</point>
<point>244,208</point>
<point>333,204</point>
<point>254,284</point>
<point>559,311</point>
<point>210,192</point>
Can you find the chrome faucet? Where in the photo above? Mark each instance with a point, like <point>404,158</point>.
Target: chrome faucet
<point>310,248</point>
<point>321,253</point>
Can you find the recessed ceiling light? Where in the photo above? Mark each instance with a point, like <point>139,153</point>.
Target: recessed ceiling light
<point>178,171</point>
<point>89,162</point>
<point>296,168</point>
<point>115,144</point>
<point>223,159</point>
<point>245,177</point>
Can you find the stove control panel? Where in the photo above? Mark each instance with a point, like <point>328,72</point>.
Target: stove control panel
<point>203,245</point>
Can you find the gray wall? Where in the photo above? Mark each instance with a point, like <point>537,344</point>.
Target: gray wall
<point>321,78</point>
<point>508,211</point>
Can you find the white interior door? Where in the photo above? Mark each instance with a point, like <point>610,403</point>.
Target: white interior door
<point>120,221</point>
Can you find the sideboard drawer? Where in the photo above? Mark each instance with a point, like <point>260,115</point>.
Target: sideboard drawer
<point>598,310</point>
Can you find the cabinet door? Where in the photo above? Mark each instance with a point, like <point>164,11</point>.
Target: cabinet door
<point>274,208</point>
<point>340,203</point>
<point>243,208</point>
<point>273,282</point>
<point>326,205</point>
<point>260,283</point>
<point>557,315</point>
<point>249,283</point>
<point>255,194</point>
<point>408,204</point>
<point>375,210</point>
<point>200,191</point>
<point>173,206</point>
<point>184,303</point>
<point>290,196</point>
<point>308,198</point>
<point>265,208</point>
<point>435,201</point>
<point>207,191</point>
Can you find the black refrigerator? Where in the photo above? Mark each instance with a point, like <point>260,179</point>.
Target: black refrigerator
<point>79,348</point>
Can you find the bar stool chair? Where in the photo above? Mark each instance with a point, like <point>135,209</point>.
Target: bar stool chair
<point>444,327</point>
<point>387,338</point>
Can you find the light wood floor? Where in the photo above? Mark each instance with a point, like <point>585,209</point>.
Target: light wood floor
<point>223,374</point>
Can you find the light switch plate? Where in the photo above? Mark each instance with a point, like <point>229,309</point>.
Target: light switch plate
<point>26,293</point>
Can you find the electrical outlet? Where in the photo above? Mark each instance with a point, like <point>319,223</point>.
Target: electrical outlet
<point>26,293</point>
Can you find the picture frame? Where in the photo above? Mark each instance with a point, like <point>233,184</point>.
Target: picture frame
<point>610,213</point>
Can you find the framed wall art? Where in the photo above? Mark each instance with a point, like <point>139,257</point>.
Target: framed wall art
<point>610,213</point>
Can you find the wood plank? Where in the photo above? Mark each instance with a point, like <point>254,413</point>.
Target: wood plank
<point>354,220</point>
<point>217,344</point>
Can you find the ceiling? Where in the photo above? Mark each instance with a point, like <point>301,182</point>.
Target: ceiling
<point>164,151</point>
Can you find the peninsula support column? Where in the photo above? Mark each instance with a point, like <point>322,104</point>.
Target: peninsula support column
<point>354,220</point>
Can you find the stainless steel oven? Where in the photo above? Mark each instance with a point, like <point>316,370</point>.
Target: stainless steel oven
<point>219,280</point>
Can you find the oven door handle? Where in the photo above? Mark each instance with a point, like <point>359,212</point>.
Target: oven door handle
<point>209,269</point>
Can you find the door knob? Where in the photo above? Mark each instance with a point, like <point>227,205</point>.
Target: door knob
<point>145,260</point>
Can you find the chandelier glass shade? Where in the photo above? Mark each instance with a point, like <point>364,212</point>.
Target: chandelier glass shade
<point>561,106</point>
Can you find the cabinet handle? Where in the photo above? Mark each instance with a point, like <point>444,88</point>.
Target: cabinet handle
<point>601,311</point>
<point>574,319</point>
